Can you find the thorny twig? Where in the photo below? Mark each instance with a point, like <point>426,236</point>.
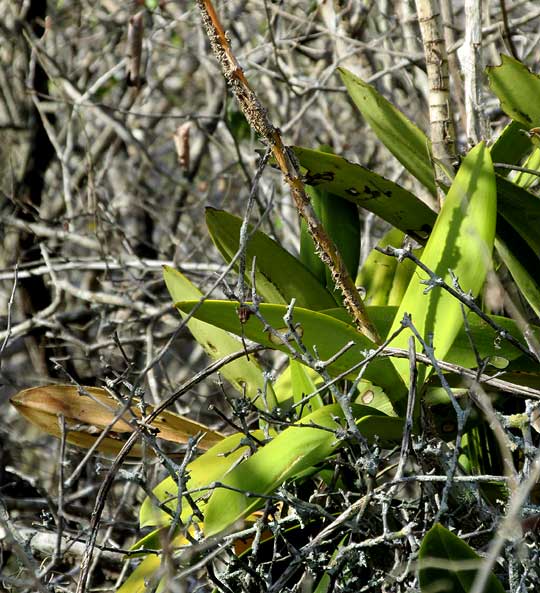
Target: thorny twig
<point>258,119</point>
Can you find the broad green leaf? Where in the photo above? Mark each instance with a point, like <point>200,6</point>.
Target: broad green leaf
<point>460,353</point>
<point>525,180</point>
<point>511,146</point>
<point>244,375</point>
<point>140,579</point>
<point>340,220</point>
<point>365,188</point>
<point>326,334</point>
<point>279,275</point>
<point>521,209</point>
<point>518,89</point>
<point>209,467</point>
<point>288,454</point>
<point>449,565</point>
<point>528,284</point>
<point>308,251</point>
<point>303,384</point>
<point>286,394</point>
<point>384,280</point>
<point>403,139</point>
<point>461,241</point>
<point>374,397</point>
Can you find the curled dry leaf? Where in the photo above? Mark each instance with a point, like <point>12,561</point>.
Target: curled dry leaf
<point>91,410</point>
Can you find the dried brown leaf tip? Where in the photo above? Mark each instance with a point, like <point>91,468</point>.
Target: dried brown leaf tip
<point>91,411</point>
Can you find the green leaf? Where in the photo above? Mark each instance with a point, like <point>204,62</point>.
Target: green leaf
<point>279,275</point>
<point>448,564</point>
<point>374,397</point>
<point>244,375</point>
<point>460,353</point>
<point>365,188</point>
<point>323,585</point>
<point>209,467</point>
<point>237,123</point>
<point>384,280</point>
<point>511,146</point>
<point>518,89</point>
<point>521,209</point>
<point>525,281</point>
<point>139,580</point>
<point>287,394</point>
<point>461,241</point>
<point>525,180</point>
<point>308,251</point>
<point>403,139</point>
<point>326,334</point>
<point>303,383</point>
<point>340,220</point>
<point>288,454</point>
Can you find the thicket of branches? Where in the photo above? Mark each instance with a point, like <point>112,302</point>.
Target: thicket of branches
<point>99,189</point>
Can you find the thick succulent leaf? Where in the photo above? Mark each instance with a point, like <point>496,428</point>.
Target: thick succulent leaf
<point>525,180</point>
<point>279,275</point>
<point>521,209</point>
<point>511,146</point>
<point>139,581</point>
<point>326,334</point>
<point>461,241</point>
<point>403,139</point>
<point>303,383</point>
<point>460,353</point>
<point>527,282</point>
<point>374,397</point>
<point>384,280</point>
<point>365,188</point>
<point>308,251</point>
<point>209,467</point>
<point>284,457</point>
<point>89,410</point>
<point>340,220</point>
<point>449,565</point>
<point>245,375</point>
<point>288,390</point>
<point>518,89</point>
